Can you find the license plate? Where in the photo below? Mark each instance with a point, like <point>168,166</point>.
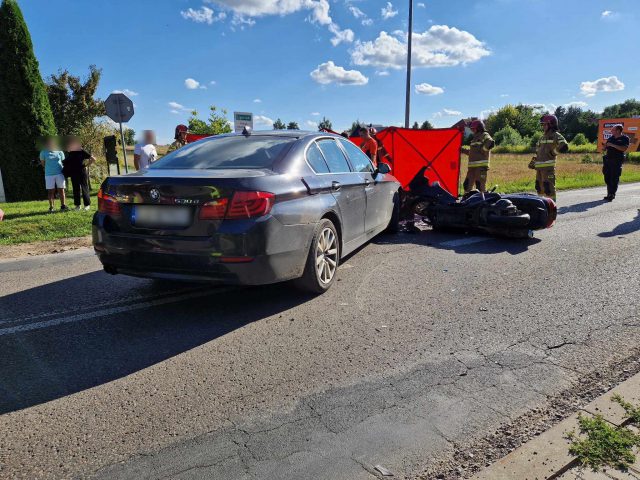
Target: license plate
<point>160,216</point>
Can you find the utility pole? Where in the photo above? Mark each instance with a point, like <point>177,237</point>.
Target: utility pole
<point>407,108</point>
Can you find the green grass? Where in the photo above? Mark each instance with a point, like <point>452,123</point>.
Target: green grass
<point>599,444</point>
<point>31,222</point>
<point>510,173</point>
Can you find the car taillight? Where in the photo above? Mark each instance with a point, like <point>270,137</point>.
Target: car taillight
<point>250,204</point>
<point>214,210</point>
<point>108,204</point>
<point>241,205</point>
<point>552,211</point>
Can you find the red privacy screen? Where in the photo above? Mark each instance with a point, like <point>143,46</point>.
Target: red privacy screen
<point>410,150</point>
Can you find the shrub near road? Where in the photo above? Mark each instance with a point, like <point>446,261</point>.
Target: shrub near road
<point>28,221</point>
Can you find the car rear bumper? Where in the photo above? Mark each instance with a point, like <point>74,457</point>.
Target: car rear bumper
<point>263,253</point>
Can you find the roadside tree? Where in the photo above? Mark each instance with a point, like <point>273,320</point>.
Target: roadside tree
<point>25,113</point>
<point>216,124</point>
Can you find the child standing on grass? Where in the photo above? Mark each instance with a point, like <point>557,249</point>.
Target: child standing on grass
<point>51,159</point>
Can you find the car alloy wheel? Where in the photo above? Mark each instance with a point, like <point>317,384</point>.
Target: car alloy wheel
<point>326,255</point>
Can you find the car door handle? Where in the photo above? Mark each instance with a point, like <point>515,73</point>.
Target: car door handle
<point>335,186</point>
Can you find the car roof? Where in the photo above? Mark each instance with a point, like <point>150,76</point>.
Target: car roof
<point>282,133</point>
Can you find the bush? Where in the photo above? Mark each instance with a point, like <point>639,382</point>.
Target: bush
<point>535,138</point>
<point>513,149</point>
<point>586,148</point>
<point>633,157</point>
<point>579,139</point>
<point>508,136</point>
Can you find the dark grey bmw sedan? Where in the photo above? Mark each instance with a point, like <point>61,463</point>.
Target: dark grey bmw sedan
<point>252,208</point>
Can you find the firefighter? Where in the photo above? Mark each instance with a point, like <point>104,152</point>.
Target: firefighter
<point>180,138</point>
<point>549,146</point>
<point>479,153</point>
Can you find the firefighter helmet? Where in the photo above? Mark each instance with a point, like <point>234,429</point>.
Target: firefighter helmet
<point>180,129</point>
<point>479,124</point>
<point>552,120</point>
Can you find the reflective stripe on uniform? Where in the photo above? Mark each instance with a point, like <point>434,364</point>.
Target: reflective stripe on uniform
<point>546,163</point>
<point>479,163</point>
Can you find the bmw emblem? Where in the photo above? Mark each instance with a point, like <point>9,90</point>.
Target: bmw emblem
<point>154,194</point>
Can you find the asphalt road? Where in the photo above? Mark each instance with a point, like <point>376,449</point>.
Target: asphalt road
<point>425,340</point>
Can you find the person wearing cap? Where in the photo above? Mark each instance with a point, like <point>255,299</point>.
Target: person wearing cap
<point>615,147</point>
<point>369,146</point>
<point>549,146</point>
<point>479,153</point>
<point>180,138</point>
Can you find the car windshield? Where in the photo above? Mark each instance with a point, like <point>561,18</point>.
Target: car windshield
<point>227,153</point>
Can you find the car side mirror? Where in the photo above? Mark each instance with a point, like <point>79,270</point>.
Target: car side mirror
<point>383,168</point>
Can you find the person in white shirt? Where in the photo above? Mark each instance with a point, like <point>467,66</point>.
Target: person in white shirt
<point>144,153</point>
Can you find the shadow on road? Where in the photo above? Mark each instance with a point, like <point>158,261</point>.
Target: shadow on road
<point>49,363</point>
<point>580,207</point>
<point>624,228</point>
<point>479,244</point>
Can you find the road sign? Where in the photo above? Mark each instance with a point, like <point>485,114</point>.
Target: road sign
<point>119,107</point>
<point>241,120</point>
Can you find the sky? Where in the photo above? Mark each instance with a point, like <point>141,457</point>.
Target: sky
<point>300,60</point>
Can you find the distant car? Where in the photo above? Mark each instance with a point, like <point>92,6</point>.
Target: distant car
<point>251,209</point>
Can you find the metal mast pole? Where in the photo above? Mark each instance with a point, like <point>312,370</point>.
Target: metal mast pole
<point>407,109</point>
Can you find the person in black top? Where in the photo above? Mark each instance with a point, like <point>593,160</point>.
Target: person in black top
<point>615,147</point>
<point>75,166</point>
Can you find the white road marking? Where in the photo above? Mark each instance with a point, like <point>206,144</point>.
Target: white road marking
<point>96,306</point>
<point>108,311</point>
<point>464,241</point>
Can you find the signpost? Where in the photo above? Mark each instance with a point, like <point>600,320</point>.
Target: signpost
<point>119,108</point>
<point>241,120</point>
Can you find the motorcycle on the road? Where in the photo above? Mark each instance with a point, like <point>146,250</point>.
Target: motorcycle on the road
<point>513,215</point>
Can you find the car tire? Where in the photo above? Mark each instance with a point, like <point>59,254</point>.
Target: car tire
<point>323,259</point>
<point>394,223</point>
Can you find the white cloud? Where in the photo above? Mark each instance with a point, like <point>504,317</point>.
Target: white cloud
<point>245,10</point>
<point>421,5</point>
<point>127,92</point>
<point>447,113</point>
<point>340,36</point>
<point>257,100</point>
<point>311,124</point>
<point>212,82</point>
<point>203,15</point>
<point>388,11</point>
<point>606,84</point>
<point>360,15</point>
<point>427,89</point>
<point>485,113</point>
<point>179,108</point>
<point>439,46</point>
<point>262,121</point>
<point>382,73</point>
<point>356,12</point>
<point>191,84</point>
<point>606,13</point>
<point>504,95</point>
<point>329,72</point>
<point>315,114</point>
<point>576,104</point>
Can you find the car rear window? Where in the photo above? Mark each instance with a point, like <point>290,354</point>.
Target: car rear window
<point>227,153</point>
